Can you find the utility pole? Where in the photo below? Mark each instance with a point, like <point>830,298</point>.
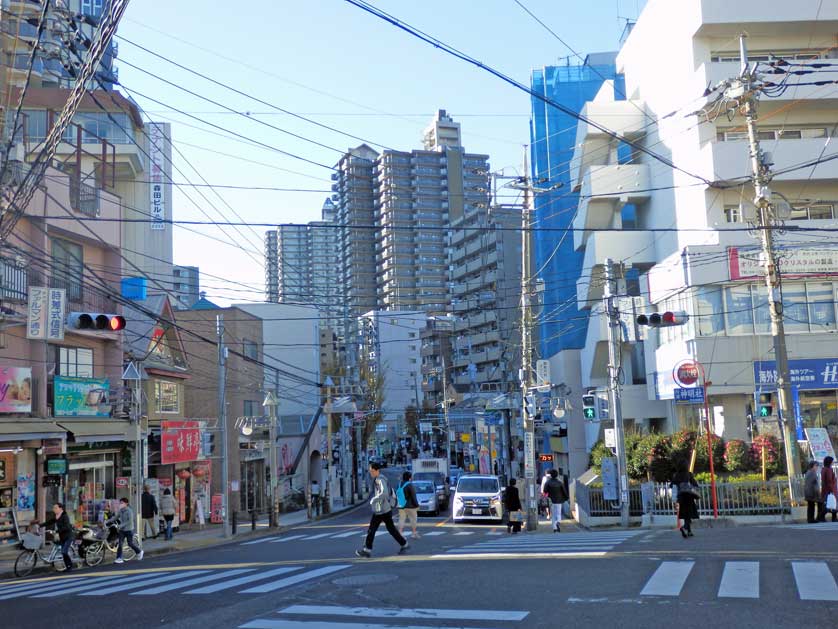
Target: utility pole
<point>222,419</point>
<point>767,220</point>
<point>445,410</point>
<point>270,403</point>
<point>327,489</point>
<point>614,402</point>
<point>526,349</point>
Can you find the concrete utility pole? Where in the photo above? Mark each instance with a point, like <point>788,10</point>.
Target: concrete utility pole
<point>767,220</point>
<point>222,420</point>
<point>614,401</point>
<point>270,403</point>
<point>526,350</point>
<point>445,411</point>
<point>326,506</point>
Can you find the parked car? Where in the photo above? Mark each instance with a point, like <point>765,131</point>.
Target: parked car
<point>478,497</point>
<point>443,492</point>
<point>426,497</point>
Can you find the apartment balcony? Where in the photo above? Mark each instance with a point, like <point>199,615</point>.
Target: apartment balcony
<point>626,117</point>
<point>14,279</point>
<point>489,316</point>
<point>636,249</point>
<point>729,160</point>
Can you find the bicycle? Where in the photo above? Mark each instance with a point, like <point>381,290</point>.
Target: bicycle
<point>108,540</point>
<point>35,547</point>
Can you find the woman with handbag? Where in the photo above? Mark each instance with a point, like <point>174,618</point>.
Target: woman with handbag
<point>512,506</point>
<point>685,484</point>
<point>829,490</point>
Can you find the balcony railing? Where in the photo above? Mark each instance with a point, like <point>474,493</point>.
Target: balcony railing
<point>14,281</point>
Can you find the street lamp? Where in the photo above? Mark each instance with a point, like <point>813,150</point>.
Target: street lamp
<point>271,403</point>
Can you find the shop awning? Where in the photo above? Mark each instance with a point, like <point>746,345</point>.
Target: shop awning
<point>92,430</point>
<point>17,430</point>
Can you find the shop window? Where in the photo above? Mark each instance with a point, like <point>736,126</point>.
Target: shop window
<point>75,362</point>
<point>795,310</point>
<point>167,396</point>
<point>739,313</point>
<point>821,307</point>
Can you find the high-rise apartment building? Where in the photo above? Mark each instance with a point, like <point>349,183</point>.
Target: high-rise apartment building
<point>186,286</point>
<point>552,140</point>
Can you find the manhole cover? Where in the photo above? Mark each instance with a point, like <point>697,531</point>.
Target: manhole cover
<point>365,579</point>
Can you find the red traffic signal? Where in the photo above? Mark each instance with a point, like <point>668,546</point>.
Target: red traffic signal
<point>663,319</point>
<point>95,321</point>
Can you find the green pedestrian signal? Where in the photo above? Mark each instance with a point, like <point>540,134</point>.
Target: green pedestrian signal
<point>589,402</point>
<point>765,408</point>
<point>590,413</point>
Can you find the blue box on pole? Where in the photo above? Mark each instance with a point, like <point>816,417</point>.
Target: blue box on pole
<point>133,288</point>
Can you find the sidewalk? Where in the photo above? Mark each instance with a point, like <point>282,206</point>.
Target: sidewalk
<point>191,538</point>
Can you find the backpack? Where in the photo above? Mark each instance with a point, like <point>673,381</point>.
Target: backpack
<point>394,501</point>
<point>401,498</point>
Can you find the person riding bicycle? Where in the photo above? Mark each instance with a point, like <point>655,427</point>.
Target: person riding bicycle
<point>66,534</point>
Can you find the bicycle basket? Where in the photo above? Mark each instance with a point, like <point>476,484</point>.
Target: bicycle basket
<point>31,541</point>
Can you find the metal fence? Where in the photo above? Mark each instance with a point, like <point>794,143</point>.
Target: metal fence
<point>750,498</point>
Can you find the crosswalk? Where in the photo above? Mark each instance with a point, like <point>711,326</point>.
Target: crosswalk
<point>817,526</point>
<point>191,582</point>
<point>591,544</point>
<point>360,532</point>
<point>813,580</point>
<point>337,617</point>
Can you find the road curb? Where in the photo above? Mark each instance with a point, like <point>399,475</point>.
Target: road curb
<point>188,545</point>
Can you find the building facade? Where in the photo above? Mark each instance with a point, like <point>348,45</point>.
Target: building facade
<point>186,286</point>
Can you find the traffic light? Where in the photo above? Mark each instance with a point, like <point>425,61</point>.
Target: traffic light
<point>765,408</point>
<point>99,321</point>
<point>589,406</point>
<point>663,319</point>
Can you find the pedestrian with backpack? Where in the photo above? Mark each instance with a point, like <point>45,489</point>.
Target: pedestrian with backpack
<point>382,503</point>
<point>408,505</point>
<point>554,488</point>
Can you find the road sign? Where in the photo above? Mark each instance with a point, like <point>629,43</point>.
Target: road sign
<point>609,478</point>
<point>692,395</point>
<point>610,438</point>
<point>542,373</point>
<point>131,372</point>
<point>529,455</point>
<point>686,373</point>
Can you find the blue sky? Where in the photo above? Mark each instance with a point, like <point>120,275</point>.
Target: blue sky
<point>342,67</point>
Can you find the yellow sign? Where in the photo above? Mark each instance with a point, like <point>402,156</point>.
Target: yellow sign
<point>465,437</point>
<point>494,454</point>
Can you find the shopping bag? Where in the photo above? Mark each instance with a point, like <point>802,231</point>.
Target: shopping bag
<point>831,503</point>
<point>516,516</point>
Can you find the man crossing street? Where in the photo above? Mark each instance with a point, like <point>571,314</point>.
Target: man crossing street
<point>382,511</point>
<point>554,488</point>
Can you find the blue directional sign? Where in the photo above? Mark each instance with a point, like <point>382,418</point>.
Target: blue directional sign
<point>693,395</point>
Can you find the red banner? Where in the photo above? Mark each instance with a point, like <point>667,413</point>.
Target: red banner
<point>180,441</point>
<point>217,514</point>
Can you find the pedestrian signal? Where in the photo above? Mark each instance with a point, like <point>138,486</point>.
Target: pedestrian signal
<point>589,406</point>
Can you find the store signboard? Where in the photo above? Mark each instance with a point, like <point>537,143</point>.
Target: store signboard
<point>157,190</point>
<point>819,443</point>
<point>806,373</point>
<point>56,465</point>
<point>180,441</point>
<point>45,314</point>
<point>747,263</point>
<point>15,390</point>
<point>81,397</point>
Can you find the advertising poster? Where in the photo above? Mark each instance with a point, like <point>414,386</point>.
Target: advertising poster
<point>819,443</point>
<point>201,478</point>
<point>15,390</point>
<point>26,492</point>
<point>217,516</point>
<point>82,397</point>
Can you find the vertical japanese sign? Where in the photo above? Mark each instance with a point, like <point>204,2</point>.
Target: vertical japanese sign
<point>180,441</point>
<point>45,319</point>
<point>156,189</point>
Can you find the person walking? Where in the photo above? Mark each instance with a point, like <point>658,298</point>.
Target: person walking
<point>126,530</point>
<point>315,498</point>
<point>167,510</point>
<point>512,506</point>
<point>829,487</point>
<point>408,505</point>
<point>687,487</point>
<point>382,511</point>
<point>812,492</point>
<point>66,533</point>
<point>149,513</point>
<point>554,488</point>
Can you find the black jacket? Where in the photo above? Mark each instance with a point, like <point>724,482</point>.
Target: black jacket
<point>64,528</point>
<point>511,499</point>
<point>554,488</point>
<point>410,501</point>
<point>149,505</point>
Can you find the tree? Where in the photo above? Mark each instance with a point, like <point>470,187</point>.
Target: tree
<point>411,421</point>
<point>372,383</point>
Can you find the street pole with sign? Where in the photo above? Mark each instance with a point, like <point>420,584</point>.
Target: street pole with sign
<point>271,403</point>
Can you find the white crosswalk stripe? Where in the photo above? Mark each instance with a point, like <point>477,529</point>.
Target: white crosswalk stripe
<point>817,526</point>
<point>668,579</point>
<point>814,581</point>
<point>318,536</point>
<point>546,543</point>
<point>196,581</point>
<point>260,540</point>
<point>286,539</point>
<point>346,534</point>
<point>740,579</point>
<point>327,617</point>
<point>362,532</point>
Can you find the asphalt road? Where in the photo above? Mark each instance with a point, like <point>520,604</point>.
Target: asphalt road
<point>471,576</point>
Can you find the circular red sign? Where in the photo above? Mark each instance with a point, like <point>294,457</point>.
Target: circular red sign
<point>686,373</point>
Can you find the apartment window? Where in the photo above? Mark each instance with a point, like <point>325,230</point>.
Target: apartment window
<point>250,349</point>
<point>779,133</point>
<point>92,7</point>
<point>813,212</point>
<point>733,214</point>
<point>75,362</point>
<point>167,396</point>
<point>251,408</point>
<point>67,264</point>
<point>739,314</point>
<point>762,315</point>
